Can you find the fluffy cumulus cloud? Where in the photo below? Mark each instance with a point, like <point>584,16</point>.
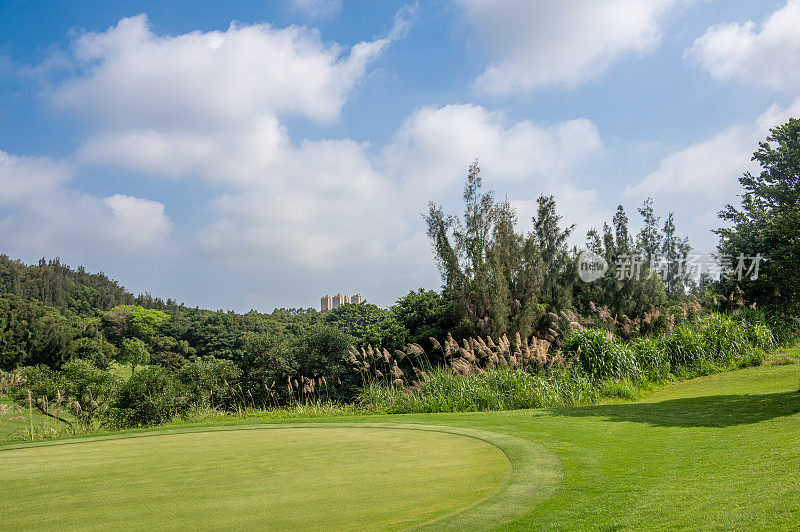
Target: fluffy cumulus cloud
<point>706,172</point>
<point>130,77</point>
<point>24,179</point>
<point>710,168</point>
<point>211,106</point>
<point>765,54</point>
<point>539,43</point>
<point>433,145</point>
<point>41,214</point>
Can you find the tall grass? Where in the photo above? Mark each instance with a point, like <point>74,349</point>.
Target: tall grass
<point>594,364</point>
<point>441,390</point>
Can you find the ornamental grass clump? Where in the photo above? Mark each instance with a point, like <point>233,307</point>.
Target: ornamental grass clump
<point>501,388</point>
<point>601,354</point>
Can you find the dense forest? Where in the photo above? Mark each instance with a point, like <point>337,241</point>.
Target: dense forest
<point>509,299</point>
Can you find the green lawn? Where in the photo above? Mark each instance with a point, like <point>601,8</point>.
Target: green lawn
<point>288,478</point>
<point>718,452</point>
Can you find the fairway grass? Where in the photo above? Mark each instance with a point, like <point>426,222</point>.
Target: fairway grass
<point>716,452</point>
<point>277,478</point>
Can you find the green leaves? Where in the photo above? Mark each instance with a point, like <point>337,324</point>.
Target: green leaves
<point>768,220</point>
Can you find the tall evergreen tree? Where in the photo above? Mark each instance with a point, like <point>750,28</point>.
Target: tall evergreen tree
<point>767,223</point>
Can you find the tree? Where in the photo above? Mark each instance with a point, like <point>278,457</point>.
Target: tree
<point>51,342</point>
<point>424,314</point>
<point>91,387</point>
<point>134,352</point>
<point>649,238</point>
<point>622,235</point>
<point>551,240</point>
<point>491,273</point>
<point>674,252</point>
<point>134,320</point>
<point>768,220</point>
<point>368,324</point>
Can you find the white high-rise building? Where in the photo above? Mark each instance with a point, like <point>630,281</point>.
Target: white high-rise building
<point>340,299</point>
<point>326,303</point>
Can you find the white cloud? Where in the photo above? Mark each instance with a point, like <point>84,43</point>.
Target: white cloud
<point>133,78</point>
<point>711,168</point>
<point>330,206</point>
<point>316,8</point>
<point>707,172</point>
<point>40,214</point>
<point>767,55</point>
<point>140,220</point>
<point>299,210</point>
<point>539,43</point>
<point>24,179</point>
<point>433,146</point>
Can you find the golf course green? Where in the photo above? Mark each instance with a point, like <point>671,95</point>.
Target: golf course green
<point>716,452</point>
<point>285,478</point>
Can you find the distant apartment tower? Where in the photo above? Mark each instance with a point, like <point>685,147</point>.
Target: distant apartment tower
<point>327,302</point>
<point>339,300</point>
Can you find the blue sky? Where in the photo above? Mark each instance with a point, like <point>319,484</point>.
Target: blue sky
<point>260,154</point>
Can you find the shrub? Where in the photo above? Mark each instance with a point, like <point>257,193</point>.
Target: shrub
<point>601,354</point>
<point>210,382</point>
<point>153,395</point>
<point>95,350</point>
<point>89,388</point>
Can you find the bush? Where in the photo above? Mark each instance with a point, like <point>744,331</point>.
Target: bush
<point>89,388</point>
<point>151,396</point>
<point>324,352</point>
<point>95,350</point>
<point>209,382</point>
<point>684,345</point>
<point>43,383</point>
<point>716,342</point>
<point>601,354</point>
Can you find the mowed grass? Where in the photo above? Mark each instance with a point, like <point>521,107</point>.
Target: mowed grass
<point>717,452</point>
<point>276,478</point>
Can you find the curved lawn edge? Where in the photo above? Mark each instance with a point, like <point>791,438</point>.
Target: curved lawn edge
<point>533,476</point>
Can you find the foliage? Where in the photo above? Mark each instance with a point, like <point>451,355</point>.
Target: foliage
<point>151,396</point>
<point>210,381</point>
<point>134,352</point>
<point>134,321</point>
<point>368,324</point>
<point>56,285</point>
<point>90,389</point>
<point>324,353</point>
<point>441,390</point>
<point>492,274</point>
<point>601,354</point>
<point>424,314</point>
<point>768,221</point>
<point>96,350</point>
